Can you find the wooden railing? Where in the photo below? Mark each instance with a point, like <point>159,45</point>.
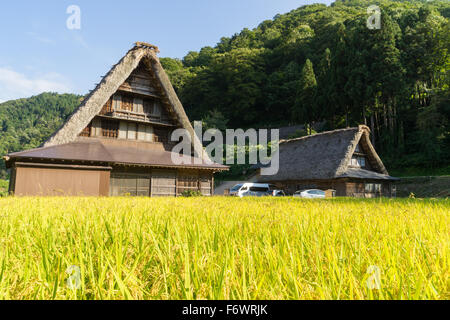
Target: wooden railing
<point>137,116</point>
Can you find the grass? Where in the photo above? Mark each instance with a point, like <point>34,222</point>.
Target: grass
<point>4,184</point>
<point>223,248</point>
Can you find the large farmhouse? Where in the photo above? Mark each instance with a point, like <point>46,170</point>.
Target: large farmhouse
<point>343,160</point>
<point>117,142</point>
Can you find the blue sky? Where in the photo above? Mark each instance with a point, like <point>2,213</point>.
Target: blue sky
<point>39,53</point>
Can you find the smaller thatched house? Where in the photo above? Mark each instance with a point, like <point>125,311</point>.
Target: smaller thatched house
<point>343,160</point>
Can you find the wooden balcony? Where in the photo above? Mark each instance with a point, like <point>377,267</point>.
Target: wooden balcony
<point>138,117</point>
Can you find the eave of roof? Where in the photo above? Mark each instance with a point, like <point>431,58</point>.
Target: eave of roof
<point>96,151</point>
<point>358,173</point>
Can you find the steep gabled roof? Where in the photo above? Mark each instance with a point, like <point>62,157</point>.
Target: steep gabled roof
<point>110,83</point>
<point>327,156</point>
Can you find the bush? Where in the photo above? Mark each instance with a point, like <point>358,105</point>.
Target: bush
<point>301,133</point>
<point>4,188</point>
<point>191,193</point>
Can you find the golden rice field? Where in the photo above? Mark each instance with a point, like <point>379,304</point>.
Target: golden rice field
<point>223,248</point>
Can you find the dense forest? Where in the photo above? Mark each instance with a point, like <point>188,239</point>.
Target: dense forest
<point>323,64</point>
<point>315,64</point>
<point>26,123</point>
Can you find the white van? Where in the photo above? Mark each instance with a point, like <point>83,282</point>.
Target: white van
<point>251,189</point>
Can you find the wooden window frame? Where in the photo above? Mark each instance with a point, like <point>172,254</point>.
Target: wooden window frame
<point>117,102</point>
<point>137,190</point>
<point>108,107</point>
<point>373,187</point>
<point>87,132</point>
<point>127,103</point>
<point>148,106</point>
<point>358,161</point>
<point>110,128</point>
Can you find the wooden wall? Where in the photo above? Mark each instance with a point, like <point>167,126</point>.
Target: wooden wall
<point>50,181</point>
<point>164,183</point>
<point>160,182</point>
<point>194,180</point>
<point>32,179</point>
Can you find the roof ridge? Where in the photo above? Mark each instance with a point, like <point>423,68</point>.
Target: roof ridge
<point>146,45</point>
<point>320,134</point>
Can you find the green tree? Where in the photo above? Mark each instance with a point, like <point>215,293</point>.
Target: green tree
<point>305,104</point>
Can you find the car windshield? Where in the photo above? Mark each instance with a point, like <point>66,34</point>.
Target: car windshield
<point>236,187</point>
<point>259,189</point>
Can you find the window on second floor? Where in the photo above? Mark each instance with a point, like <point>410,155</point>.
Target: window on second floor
<point>134,104</point>
<point>127,103</point>
<point>152,107</point>
<point>110,128</point>
<point>358,161</point>
<point>135,131</point>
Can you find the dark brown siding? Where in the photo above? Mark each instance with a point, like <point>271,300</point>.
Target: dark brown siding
<point>41,181</point>
<point>104,183</point>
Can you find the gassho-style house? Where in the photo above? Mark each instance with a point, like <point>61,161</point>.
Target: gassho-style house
<point>342,160</point>
<point>117,142</point>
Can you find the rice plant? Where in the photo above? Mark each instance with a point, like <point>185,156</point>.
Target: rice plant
<point>223,248</point>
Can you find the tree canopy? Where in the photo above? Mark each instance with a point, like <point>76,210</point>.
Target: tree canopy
<point>26,123</point>
<point>322,63</point>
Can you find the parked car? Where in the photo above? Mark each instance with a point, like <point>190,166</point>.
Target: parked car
<point>251,189</point>
<point>235,189</point>
<point>278,193</point>
<point>310,193</point>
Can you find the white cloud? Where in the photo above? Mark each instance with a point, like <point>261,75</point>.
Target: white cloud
<point>14,85</point>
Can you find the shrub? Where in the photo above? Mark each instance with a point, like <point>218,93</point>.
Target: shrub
<point>191,193</point>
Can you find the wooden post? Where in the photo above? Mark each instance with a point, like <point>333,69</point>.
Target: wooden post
<point>176,183</point>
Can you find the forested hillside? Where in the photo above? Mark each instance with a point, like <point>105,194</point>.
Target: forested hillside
<point>320,63</point>
<point>313,64</point>
<point>26,123</point>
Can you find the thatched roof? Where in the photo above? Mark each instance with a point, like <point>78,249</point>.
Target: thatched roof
<point>326,156</point>
<point>110,83</point>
